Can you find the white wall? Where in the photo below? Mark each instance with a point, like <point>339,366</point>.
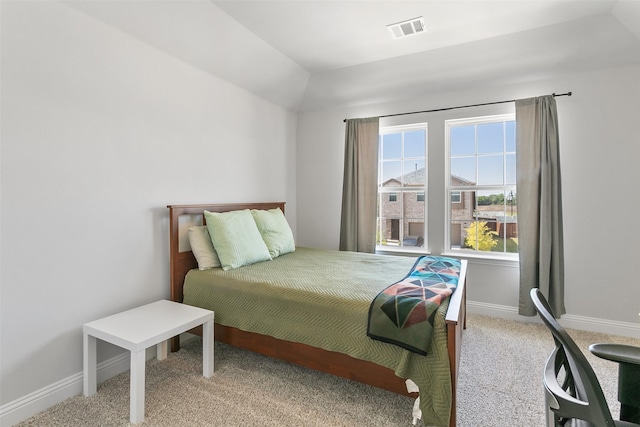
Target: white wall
<point>599,159</point>
<point>99,133</point>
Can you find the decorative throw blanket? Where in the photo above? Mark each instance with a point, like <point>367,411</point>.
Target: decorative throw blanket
<point>402,314</point>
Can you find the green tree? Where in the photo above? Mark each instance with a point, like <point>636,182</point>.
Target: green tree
<point>491,199</point>
<point>479,236</point>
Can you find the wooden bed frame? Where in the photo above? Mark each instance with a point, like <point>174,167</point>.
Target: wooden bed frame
<point>301,354</point>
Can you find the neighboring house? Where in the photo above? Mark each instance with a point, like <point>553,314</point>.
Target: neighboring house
<point>404,206</point>
<point>463,204</point>
<point>402,212</point>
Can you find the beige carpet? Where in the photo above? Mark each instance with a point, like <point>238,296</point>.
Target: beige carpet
<point>500,385</point>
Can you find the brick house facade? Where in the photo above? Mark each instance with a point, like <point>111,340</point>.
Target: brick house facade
<point>396,229</point>
<point>402,212</point>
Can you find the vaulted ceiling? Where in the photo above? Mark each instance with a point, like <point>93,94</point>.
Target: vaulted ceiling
<point>313,54</point>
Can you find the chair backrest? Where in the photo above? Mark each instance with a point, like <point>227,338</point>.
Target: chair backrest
<point>578,395</point>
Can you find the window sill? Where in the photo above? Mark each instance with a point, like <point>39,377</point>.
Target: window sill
<point>484,259</point>
<point>401,251</point>
<point>497,259</point>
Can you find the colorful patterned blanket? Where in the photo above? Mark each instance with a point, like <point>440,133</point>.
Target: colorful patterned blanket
<point>402,314</point>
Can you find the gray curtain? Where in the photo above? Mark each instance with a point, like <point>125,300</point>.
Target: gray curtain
<point>540,238</point>
<point>360,186</point>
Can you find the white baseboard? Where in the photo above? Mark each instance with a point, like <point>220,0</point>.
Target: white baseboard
<point>582,323</point>
<point>33,403</point>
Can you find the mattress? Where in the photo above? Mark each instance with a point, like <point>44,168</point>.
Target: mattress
<point>321,298</point>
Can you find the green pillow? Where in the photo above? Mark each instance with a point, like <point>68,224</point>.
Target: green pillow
<point>202,247</point>
<point>275,231</point>
<point>236,238</point>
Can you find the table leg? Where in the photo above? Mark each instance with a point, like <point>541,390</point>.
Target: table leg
<point>207,349</point>
<point>89,381</point>
<point>162,350</point>
<point>136,404</point>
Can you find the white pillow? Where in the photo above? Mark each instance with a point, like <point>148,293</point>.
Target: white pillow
<point>236,238</point>
<point>202,248</point>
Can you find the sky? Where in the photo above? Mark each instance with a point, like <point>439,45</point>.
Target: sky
<point>482,153</point>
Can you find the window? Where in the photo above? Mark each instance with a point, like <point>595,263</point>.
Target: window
<point>481,189</point>
<point>456,197</point>
<point>402,177</point>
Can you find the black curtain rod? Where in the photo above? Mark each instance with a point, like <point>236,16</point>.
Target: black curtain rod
<point>464,106</point>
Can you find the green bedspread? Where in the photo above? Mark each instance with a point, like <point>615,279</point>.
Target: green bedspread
<point>322,298</point>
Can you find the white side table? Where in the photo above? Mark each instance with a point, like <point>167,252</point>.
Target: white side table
<point>138,329</point>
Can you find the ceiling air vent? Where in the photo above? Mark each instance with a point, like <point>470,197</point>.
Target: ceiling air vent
<point>407,28</point>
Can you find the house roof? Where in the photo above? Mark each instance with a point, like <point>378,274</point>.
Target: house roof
<point>417,177</point>
<point>458,180</point>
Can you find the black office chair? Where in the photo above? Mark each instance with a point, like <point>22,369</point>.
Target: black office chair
<point>573,392</point>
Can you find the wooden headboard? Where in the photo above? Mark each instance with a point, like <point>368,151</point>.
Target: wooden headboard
<point>182,262</point>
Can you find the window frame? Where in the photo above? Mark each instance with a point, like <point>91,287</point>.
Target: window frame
<point>461,189</point>
<point>402,191</point>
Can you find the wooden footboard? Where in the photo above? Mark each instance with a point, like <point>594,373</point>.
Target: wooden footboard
<point>456,320</point>
<point>301,354</point>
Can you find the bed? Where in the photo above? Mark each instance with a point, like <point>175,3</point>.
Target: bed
<point>309,348</point>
